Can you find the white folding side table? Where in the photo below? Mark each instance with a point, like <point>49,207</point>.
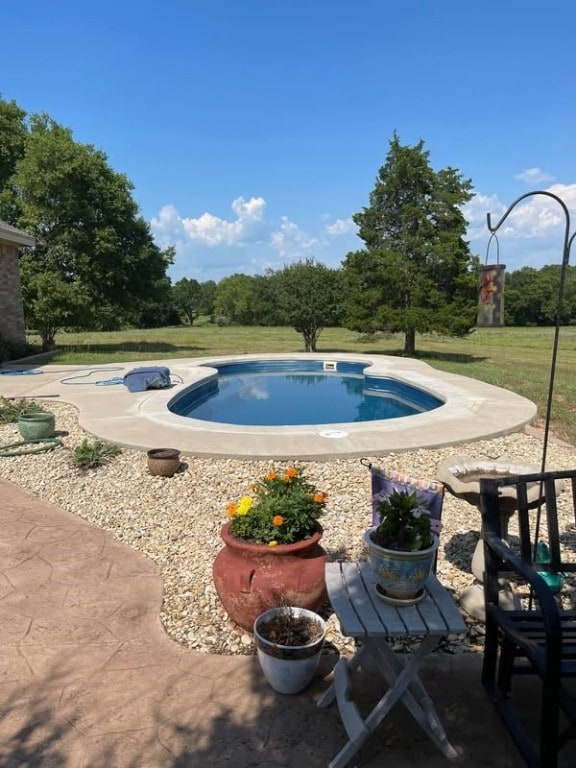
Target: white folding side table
<point>364,615</point>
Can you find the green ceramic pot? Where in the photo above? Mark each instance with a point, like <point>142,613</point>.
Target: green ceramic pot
<point>34,425</point>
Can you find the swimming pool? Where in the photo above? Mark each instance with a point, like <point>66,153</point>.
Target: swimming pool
<point>471,410</point>
<point>296,392</point>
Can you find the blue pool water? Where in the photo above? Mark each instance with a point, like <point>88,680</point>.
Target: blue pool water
<point>289,393</point>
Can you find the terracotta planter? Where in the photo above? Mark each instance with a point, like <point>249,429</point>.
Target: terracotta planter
<point>251,578</point>
<point>163,461</point>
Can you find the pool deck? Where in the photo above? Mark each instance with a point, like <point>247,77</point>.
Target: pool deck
<point>472,410</point>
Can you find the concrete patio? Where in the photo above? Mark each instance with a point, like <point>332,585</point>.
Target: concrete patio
<point>90,680</point>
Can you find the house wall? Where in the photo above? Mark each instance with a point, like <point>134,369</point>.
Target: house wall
<point>12,327</point>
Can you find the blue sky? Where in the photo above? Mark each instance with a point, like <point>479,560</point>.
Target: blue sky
<point>253,130</point>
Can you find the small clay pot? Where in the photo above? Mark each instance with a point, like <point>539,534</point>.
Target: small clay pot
<point>163,461</point>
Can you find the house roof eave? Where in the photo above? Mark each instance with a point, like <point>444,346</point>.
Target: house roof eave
<point>14,236</point>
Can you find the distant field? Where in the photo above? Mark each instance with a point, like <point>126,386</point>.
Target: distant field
<point>515,358</point>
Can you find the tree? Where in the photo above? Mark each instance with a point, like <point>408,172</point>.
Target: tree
<point>310,297</point>
<point>52,304</point>
<point>265,300</point>
<point>208,294</point>
<point>12,139</point>
<point>234,300</point>
<point>159,311</point>
<point>531,296</point>
<point>187,296</point>
<point>416,272</point>
<point>87,225</point>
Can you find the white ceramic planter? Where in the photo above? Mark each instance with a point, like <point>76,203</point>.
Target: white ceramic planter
<point>288,668</point>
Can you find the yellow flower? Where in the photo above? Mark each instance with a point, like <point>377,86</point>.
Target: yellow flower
<point>244,505</point>
<point>268,508</point>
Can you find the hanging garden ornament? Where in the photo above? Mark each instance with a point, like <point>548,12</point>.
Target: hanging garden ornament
<point>491,291</point>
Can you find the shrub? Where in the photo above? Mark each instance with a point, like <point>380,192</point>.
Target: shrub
<point>89,455</point>
<point>11,409</point>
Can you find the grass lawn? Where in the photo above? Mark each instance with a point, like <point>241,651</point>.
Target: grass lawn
<point>514,358</point>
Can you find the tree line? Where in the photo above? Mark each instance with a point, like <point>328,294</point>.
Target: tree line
<point>531,296</point>
<point>96,266</point>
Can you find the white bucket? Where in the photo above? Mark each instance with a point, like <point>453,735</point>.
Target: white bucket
<point>288,668</point>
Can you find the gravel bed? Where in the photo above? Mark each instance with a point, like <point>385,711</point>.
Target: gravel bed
<point>176,521</point>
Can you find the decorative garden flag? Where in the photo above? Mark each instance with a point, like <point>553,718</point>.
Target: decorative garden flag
<point>491,296</point>
<point>429,493</point>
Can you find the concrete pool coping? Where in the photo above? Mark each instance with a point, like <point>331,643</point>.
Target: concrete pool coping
<point>473,410</point>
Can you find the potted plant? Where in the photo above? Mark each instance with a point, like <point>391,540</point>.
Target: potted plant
<point>289,644</point>
<point>272,555</point>
<point>35,423</point>
<point>402,547</point>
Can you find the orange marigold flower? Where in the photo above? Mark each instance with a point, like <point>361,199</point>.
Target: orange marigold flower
<point>231,509</point>
<point>271,476</point>
<point>290,473</point>
<point>319,497</point>
<point>277,520</point>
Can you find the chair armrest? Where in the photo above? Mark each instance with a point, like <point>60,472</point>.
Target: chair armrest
<point>548,606</point>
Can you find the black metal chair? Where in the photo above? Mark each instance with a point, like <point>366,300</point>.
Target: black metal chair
<point>540,639</point>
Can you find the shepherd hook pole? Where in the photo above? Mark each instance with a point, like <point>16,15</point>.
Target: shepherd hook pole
<point>565,259</point>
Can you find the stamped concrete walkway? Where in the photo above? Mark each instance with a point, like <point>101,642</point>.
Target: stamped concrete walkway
<point>88,679</point>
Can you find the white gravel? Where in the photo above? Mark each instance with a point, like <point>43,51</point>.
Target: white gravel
<point>176,521</point>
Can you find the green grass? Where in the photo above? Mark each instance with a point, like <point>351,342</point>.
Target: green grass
<point>514,358</point>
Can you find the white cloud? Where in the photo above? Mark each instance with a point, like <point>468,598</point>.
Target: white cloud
<point>536,217</point>
<point>214,231</point>
<point>534,176</point>
<point>341,227</point>
<point>541,215</point>
<point>168,217</point>
<point>167,228</point>
<point>210,247</point>
<point>291,242</point>
<point>475,212</point>
<point>532,234</point>
<point>249,209</point>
